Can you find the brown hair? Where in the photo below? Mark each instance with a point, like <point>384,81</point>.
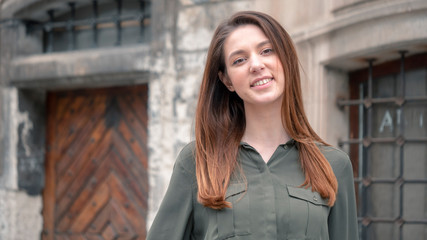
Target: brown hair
<point>220,117</point>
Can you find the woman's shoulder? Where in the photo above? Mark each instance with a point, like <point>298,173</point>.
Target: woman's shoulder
<point>339,160</point>
<point>186,158</point>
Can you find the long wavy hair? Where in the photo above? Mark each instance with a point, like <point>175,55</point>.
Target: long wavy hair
<point>220,118</point>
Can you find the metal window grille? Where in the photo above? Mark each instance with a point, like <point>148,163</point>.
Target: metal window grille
<point>64,27</point>
<point>367,106</point>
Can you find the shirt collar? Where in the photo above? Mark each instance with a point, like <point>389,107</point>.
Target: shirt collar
<point>291,142</point>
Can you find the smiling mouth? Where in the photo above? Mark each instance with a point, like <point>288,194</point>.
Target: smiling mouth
<point>262,82</point>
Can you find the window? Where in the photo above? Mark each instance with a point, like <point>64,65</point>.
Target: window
<point>388,147</point>
<point>92,24</point>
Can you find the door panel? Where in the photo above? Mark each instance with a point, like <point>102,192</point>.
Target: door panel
<point>96,164</point>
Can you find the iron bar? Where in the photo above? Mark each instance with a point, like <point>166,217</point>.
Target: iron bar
<point>390,180</point>
<point>396,100</point>
<point>377,219</point>
<point>402,86</point>
<point>90,22</point>
<point>366,149</point>
<point>401,133</point>
<point>416,181</point>
<point>95,23</point>
<point>118,23</point>
<point>369,107</point>
<point>360,147</point>
<point>421,221</point>
<point>49,30</point>
<point>142,8</point>
<point>70,27</point>
<point>382,140</point>
<point>391,220</point>
<point>73,25</point>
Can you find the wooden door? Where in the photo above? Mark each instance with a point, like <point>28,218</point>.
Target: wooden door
<point>96,164</point>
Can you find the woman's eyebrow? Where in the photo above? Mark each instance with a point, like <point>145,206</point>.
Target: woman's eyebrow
<point>237,52</point>
<point>263,43</point>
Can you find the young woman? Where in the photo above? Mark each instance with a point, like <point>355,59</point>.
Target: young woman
<point>256,170</point>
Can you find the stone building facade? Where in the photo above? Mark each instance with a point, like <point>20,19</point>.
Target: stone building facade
<point>334,39</point>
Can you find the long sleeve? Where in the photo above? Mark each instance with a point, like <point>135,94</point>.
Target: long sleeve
<point>174,219</point>
<point>342,219</point>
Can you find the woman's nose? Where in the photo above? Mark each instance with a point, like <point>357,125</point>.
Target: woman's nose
<point>256,64</point>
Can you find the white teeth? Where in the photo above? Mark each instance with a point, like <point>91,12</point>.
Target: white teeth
<point>262,82</point>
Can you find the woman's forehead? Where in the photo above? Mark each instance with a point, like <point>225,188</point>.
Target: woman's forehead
<point>243,36</point>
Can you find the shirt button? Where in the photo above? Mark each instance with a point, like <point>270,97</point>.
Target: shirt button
<point>285,147</point>
<point>315,198</point>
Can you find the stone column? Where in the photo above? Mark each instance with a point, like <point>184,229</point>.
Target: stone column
<point>20,157</point>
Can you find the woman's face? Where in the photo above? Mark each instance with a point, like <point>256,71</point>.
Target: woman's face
<point>253,68</point>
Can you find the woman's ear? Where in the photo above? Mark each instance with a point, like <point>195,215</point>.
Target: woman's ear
<point>224,79</point>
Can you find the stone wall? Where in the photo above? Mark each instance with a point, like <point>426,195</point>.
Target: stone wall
<point>20,201</point>
<point>20,155</point>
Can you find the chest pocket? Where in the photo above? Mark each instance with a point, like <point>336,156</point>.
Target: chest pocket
<point>308,214</point>
<point>235,221</point>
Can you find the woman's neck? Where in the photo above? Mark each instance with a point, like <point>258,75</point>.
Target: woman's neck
<point>264,129</point>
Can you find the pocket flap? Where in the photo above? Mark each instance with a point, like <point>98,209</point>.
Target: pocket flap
<point>235,189</point>
<point>307,195</point>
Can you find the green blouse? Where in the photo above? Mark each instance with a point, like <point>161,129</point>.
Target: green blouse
<point>270,205</point>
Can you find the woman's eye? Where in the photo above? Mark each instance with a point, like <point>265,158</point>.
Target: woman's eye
<point>267,51</point>
<point>239,60</point>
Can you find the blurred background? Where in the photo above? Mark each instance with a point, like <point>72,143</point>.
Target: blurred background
<point>98,97</point>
